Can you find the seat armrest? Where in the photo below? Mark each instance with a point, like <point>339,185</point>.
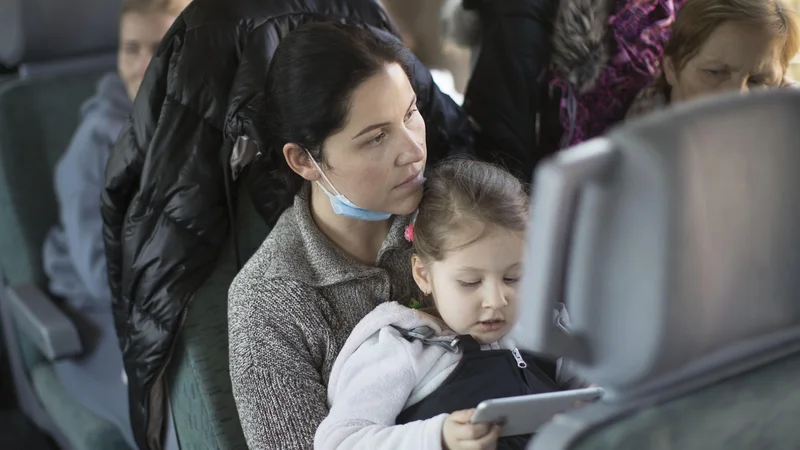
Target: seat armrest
<point>38,318</point>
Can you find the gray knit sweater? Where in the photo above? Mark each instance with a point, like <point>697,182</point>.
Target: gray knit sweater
<point>290,311</point>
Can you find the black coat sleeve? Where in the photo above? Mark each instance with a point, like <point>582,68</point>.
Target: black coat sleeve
<point>503,94</point>
<point>165,219</point>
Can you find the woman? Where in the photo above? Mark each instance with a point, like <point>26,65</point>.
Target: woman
<point>343,115</point>
<point>720,46</point>
<point>176,175</point>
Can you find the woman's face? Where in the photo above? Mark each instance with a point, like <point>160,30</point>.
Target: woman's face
<point>377,160</point>
<point>734,58</point>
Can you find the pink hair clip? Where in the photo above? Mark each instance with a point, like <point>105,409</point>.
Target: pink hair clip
<point>409,234</point>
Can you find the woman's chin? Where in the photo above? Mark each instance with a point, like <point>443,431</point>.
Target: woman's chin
<point>399,205</point>
<point>410,203</point>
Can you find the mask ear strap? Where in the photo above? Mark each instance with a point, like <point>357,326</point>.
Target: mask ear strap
<point>324,177</point>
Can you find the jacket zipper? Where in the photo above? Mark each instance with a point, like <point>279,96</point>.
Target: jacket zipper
<point>522,372</point>
<point>518,357</point>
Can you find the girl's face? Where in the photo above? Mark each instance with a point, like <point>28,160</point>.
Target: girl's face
<point>377,160</point>
<point>139,35</point>
<point>475,285</point>
<point>734,58</point>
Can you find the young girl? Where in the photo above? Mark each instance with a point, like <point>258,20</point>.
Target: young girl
<point>408,378</point>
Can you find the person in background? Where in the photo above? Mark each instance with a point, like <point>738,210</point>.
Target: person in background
<point>721,46</point>
<point>512,48</point>
<point>74,258</point>
<point>604,53</point>
<point>551,74</point>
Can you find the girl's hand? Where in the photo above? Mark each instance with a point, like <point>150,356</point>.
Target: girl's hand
<point>459,434</point>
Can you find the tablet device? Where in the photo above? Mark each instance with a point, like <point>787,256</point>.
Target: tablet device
<point>524,414</point>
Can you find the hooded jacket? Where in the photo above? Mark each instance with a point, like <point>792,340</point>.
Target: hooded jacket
<point>73,255</point>
<point>167,203</point>
<point>604,53</point>
<point>379,373</point>
<point>75,263</point>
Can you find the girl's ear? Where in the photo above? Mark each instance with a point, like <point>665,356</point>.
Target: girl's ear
<point>421,275</point>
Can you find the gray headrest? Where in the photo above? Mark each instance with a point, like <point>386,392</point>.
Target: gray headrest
<point>43,30</point>
<point>674,241</point>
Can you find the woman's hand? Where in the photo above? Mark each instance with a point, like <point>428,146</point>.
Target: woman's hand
<point>459,434</point>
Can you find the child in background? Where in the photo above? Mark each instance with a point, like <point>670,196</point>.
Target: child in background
<point>74,256</point>
<point>409,378</point>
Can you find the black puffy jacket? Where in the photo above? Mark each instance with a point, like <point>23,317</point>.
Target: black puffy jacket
<point>166,204</point>
<point>506,91</point>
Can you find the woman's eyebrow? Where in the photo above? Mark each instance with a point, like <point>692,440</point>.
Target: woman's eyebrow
<point>383,124</point>
<point>716,62</point>
<point>370,128</point>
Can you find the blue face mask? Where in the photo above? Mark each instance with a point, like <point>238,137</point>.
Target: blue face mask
<point>342,205</point>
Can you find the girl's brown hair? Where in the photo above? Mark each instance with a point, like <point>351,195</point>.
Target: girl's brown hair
<point>697,19</point>
<point>462,190</point>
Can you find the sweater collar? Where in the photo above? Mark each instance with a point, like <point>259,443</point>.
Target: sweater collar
<point>329,265</point>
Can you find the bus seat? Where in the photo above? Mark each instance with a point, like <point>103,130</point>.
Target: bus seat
<point>60,50</point>
<point>203,407</point>
<point>673,242</point>
<point>48,37</point>
<point>37,119</point>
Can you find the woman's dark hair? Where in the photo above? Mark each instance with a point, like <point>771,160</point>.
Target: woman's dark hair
<point>311,80</point>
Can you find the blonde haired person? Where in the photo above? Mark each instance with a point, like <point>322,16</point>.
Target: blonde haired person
<point>73,254</point>
<point>720,46</point>
<point>142,24</point>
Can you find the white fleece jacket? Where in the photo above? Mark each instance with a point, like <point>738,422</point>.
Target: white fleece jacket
<point>379,373</point>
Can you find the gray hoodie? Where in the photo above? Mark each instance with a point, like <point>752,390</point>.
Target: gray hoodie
<point>74,257</point>
<point>379,373</point>
<point>75,263</point>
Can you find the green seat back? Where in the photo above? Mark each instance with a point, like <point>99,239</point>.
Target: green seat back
<point>203,407</point>
<point>37,120</point>
<point>758,409</point>
<point>38,117</point>
<point>83,429</point>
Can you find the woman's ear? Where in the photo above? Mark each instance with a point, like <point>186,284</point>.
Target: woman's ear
<point>421,275</point>
<point>299,161</point>
<point>670,73</point>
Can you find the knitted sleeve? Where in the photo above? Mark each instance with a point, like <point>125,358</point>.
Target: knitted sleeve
<point>274,335</point>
